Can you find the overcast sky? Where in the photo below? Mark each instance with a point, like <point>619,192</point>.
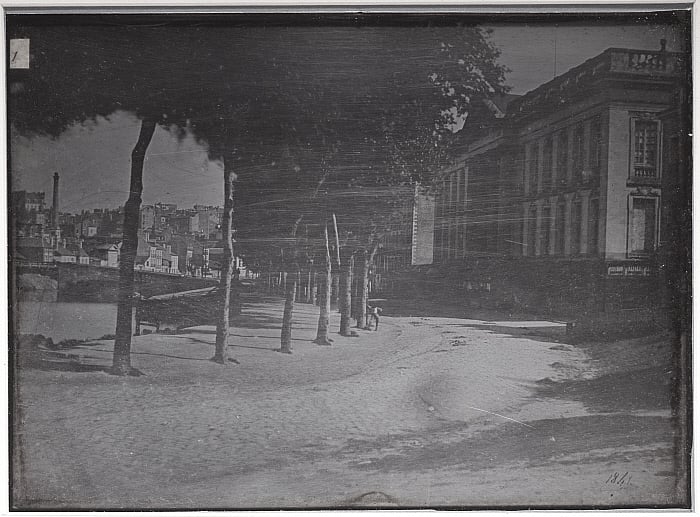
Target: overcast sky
<point>93,160</point>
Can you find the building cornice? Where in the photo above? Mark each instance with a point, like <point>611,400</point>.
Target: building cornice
<point>642,66</point>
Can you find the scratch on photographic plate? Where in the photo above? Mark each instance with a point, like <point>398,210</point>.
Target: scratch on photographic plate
<point>502,416</point>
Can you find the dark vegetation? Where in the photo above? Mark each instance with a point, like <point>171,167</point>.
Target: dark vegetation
<point>323,132</point>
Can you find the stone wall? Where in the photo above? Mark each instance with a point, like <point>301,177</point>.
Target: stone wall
<point>77,282</point>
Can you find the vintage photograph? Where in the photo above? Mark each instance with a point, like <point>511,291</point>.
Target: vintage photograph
<point>349,260</point>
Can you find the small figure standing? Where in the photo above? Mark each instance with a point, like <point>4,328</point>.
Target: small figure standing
<point>373,313</point>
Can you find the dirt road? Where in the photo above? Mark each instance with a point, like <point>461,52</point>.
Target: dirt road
<point>427,411</point>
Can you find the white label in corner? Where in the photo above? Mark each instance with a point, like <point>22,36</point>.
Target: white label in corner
<point>19,53</point>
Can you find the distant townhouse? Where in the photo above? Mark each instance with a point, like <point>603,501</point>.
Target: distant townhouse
<point>103,255</point>
<point>71,254</point>
<point>186,247</point>
<point>81,256</point>
<point>69,225</point>
<point>29,213</point>
<point>112,223</point>
<point>212,261</point>
<point>156,258</point>
<point>90,223</point>
<point>64,256</point>
<point>184,222</point>
<point>162,212</point>
<point>209,221</point>
<point>36,250</point>
<point>147,219</point>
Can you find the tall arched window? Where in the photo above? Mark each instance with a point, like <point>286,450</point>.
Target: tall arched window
<point>645,148</point>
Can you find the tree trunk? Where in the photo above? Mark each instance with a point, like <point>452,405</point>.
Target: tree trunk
<point>335,283</point>
<point>361,306</point>
<point>316,291</point>
<point>290,294</point>
<point>310,286</point>
<point>345,288</point>
<point>363,287</point>
<point>324,295</point>
<point>356,287</point>
<point>292,277</point>
<point>121,360</point>
<point>222,324</point>
<point>335,289</point>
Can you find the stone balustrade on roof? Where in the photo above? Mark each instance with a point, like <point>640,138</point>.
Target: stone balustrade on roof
<point>614,63</point>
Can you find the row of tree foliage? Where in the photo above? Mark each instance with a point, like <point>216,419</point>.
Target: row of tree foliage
<point>322,130</point>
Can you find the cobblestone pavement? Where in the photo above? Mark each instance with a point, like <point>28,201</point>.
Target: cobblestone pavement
<point>424,412</point>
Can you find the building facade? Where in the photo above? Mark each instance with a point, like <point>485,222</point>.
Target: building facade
<point>557,202</point>
<point>208,221</point>
<point>30,214</point>
<point>156,258</point>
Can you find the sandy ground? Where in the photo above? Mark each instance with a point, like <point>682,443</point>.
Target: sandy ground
<point>428,411</point>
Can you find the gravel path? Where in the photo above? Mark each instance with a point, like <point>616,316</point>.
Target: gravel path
<point>424,412</point>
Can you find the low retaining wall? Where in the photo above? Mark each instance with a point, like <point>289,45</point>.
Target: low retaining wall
<point>80,282</point>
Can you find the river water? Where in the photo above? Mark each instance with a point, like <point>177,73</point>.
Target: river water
<point>66,320</point>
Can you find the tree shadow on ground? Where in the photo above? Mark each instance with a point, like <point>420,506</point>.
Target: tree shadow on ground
<point>70,364</point>
<point>276,338</point>
<point>548,333</point>
<point>249,320</point>
<point>235,345</point>
<point>170,356</point>
<point>545,334</point>
<point>636,374</point>
<point>566,440</point>
<point>64,366</point>
<point>65,361</point>
<point>648,389</point>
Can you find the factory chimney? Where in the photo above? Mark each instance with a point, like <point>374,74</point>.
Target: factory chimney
<point>54,219</point>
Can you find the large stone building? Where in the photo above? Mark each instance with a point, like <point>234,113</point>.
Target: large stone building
<point>555,201</point>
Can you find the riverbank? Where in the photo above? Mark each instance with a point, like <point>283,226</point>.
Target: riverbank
<point>66,320</point>
<point>428,411</point>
